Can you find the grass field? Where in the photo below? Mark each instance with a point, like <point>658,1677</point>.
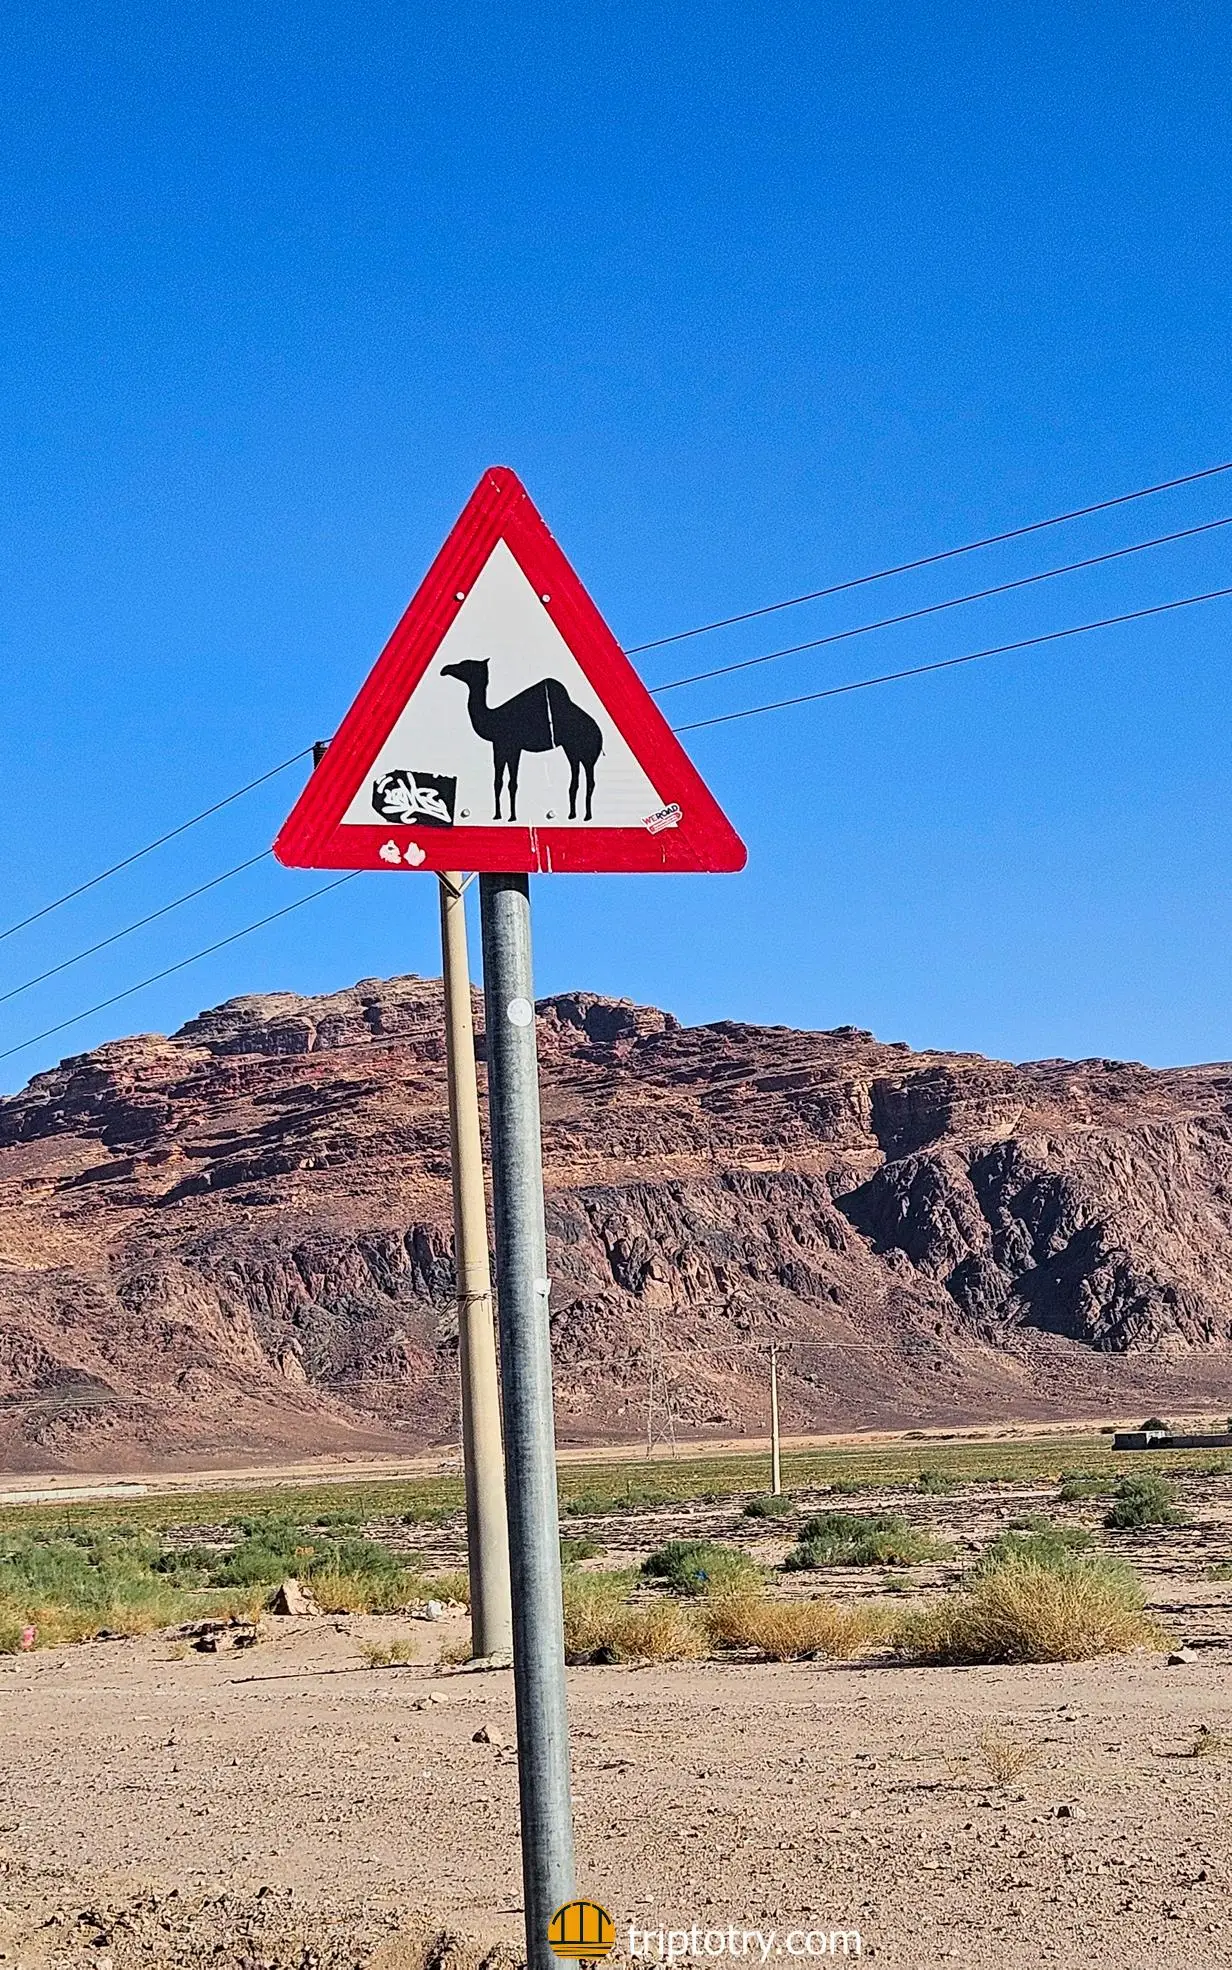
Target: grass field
<point>600,1488</point>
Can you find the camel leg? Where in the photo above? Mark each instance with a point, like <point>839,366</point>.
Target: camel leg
<point>590,785</point>
<point>574,768</point>
<point>499,763</point>
<point>515,760</point>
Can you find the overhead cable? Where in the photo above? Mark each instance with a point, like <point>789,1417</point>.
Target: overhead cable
<point>90,950</point>
<point>930,560</point>
<point>952,663</point>
<point>150,846</point>
<point>183,965</point>
<point>936,608</point>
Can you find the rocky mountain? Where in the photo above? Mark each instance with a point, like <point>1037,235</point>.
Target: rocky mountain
<point>235,1243</point>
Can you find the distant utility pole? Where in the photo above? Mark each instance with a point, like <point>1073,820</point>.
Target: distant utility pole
<point>776,1469</point>
<point>660,1396</point>
<point>483,1464</point>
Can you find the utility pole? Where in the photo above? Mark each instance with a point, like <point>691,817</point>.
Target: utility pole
<point>776,1469</point>
<point>487,1534</point>
<point>483,1466</point>
<point>526,1385</point>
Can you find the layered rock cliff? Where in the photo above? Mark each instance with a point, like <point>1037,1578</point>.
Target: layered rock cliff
<point>236,1241</point>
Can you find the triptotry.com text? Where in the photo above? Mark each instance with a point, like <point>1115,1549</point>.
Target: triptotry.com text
<point>759,1945</point>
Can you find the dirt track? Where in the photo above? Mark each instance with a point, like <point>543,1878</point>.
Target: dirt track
<point>803,1795</point>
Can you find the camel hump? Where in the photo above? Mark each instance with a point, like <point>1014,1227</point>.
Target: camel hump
<point>570,724</point>
<point>558,697</point>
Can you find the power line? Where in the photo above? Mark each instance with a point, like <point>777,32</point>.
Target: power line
<point>723,718</point>
<point>952,663</point>
<point>150,846</point>
<point>183,964</point>
<point>128,930</point>
<point>938,608</point>
<point>930,560</point>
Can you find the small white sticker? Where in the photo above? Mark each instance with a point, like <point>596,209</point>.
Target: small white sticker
<point>519,1012</point>
<point>389,851</point>
<point>665,817</point>
<point>414,854</point>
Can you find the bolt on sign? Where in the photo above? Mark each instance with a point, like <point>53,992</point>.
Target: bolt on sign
<point>504,729</point>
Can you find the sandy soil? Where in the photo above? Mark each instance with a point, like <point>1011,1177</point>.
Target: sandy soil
<point>288,1806</point>
<point>799,1795</point>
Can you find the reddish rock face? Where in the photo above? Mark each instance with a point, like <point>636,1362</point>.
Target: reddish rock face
<point>236,1242</point>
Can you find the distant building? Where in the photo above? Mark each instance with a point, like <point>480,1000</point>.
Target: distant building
<point>1164,1440</point>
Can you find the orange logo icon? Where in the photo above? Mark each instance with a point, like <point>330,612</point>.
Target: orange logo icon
<point>581,1931</point>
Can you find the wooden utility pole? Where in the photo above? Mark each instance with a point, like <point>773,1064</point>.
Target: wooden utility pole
<point>487,1531</point>
<point>776,1469</point>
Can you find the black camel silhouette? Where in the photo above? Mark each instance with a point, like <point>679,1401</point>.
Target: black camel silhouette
<point>536,720</point>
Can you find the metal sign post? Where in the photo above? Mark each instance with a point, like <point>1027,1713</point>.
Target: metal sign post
<point>487,1539</point>
<point>530,1446</point>
<point>503,728</point>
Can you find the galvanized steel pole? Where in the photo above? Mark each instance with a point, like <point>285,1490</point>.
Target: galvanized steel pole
<point>487,1535</point>
<point>526,1381</point>
<point>776,1467</point>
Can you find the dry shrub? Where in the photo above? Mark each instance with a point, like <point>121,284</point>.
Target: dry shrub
<point>1208,1744</point>
<point>379,1655</point>
<point>336,1592</point>
<point>783,1630</point>
<point>1005,1755</point>
<point>660,1631</point>
<point>1024,1611</point>
<point>592,1602</point>
<point>55,1624</point>
<point>239,1605</point>
<point>601,1622</point>
<point>452,1585</point>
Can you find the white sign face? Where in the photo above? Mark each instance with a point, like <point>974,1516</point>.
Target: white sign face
<point>504,727</point>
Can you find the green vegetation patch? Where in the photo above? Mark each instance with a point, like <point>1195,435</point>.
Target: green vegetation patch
<point>1039,1541</point>
<point>574,1551</point>
<point>700,1566</point>
<point>848,1539</point>
<point>768,1505</point>
<point>1141,1500</point>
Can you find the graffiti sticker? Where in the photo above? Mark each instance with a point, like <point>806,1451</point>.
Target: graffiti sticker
<point>416,799</point>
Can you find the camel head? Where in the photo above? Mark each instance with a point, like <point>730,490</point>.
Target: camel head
<point>473,673</point>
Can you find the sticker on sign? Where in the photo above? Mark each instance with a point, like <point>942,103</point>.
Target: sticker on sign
<point>504,729</point>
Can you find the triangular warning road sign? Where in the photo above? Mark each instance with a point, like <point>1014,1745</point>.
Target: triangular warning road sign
<point>503,728</point>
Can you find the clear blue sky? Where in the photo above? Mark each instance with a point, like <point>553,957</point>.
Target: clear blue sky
<point>755,299</point>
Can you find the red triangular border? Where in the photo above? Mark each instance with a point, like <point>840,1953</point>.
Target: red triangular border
<point>500,507</point>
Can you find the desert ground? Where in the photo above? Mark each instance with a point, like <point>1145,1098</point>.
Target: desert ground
<point>289,1805</point>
